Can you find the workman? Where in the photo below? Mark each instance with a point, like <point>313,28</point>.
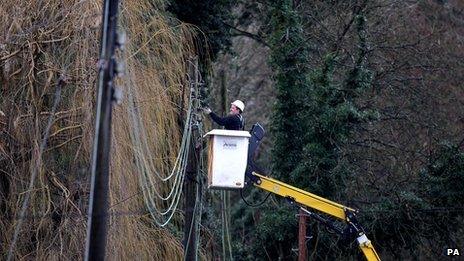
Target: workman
<point>233,121</point>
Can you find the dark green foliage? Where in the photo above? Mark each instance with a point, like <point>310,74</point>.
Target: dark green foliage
<point>324,110</point>
<point>395,222</point>
<point>212,18</point>
<point>209,16</point>
<point>275,230</point>
<point>442,185</point>
<point>443,179</point>
<point>313,117</point>
<point>289,61</point>
<point>272,237</point>
<point>424,219</point>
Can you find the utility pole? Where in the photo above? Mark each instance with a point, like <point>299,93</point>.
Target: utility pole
<point>192,178</point>
<point>302,249</point>
<point>225,195</point>
<point>106,95</point>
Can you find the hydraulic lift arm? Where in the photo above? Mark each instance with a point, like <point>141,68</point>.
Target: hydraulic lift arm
<point>346,214</point>
<point>323,205</point>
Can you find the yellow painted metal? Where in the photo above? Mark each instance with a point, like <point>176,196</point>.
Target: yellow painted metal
<point>313,201</point>
<point>303,197</point>
<point>369,251</point>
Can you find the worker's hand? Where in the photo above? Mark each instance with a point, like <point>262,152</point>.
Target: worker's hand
<point>206,110</point>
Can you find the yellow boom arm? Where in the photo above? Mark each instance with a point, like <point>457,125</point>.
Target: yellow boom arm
<point>319,203</point>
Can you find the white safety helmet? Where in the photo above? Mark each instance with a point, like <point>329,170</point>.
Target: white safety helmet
<point>239,104</point>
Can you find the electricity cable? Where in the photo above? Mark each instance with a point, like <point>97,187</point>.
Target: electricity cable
<point>255,205</point>
<point>145,166</point>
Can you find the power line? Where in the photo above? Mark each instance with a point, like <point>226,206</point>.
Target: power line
<point>146,167</point>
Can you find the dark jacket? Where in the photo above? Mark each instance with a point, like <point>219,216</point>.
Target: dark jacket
<point>230,122</point>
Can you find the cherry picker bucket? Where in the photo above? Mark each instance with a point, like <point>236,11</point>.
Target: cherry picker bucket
<point>227,158</point>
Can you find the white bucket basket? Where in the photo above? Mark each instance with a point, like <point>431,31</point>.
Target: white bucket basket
<point>227,158</point>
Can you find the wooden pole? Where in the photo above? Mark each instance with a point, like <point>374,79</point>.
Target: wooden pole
<point>191,181</point>
<point>98,205</point>
<point>190,220</point>
<point>302,249</point>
